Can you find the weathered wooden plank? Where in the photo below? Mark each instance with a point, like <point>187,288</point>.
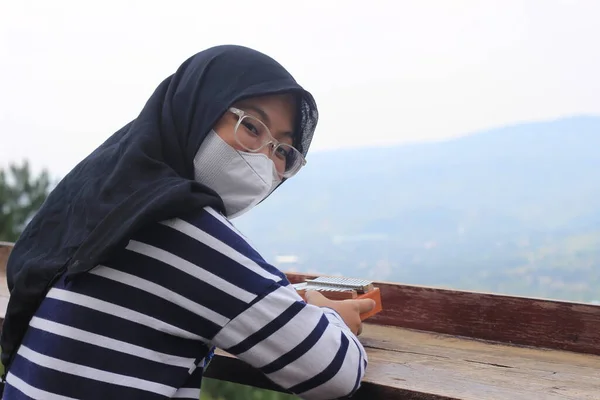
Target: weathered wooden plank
<point>402,340</point>
<point>5,249</point>
<point>474,369</point>
<point>508,319</point>
<point>228,368</point>
<point>420,365</point>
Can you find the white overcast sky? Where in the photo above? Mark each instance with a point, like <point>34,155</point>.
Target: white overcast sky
<point>73,72</point>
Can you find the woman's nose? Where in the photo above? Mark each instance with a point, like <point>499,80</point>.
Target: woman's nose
<point>267,150</point>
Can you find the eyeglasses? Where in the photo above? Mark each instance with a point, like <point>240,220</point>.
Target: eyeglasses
<point>253,135</point>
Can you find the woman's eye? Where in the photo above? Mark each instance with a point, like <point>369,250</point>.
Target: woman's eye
<point>282,153</point>
<point>251,127</point>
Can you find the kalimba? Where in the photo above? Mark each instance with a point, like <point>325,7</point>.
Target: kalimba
<point>337,288</point>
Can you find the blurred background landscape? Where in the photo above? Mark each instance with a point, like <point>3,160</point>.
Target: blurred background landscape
<point>513,210</point>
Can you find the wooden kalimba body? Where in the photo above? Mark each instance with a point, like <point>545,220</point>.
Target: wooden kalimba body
<point>335,288</point>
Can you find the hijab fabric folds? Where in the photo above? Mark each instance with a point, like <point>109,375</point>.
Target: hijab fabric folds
<point>142,173</point>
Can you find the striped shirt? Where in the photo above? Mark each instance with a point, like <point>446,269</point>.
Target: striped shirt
<point>145,324</point>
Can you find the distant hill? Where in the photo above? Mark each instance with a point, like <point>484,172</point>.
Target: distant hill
<point>514,209</point>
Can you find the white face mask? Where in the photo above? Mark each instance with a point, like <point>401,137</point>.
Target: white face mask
<point>241,179</point>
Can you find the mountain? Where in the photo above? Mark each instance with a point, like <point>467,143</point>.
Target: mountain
<point>513,210</point>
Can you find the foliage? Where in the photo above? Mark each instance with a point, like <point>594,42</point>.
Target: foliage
<point>21,195</point>
<point>222,390</point>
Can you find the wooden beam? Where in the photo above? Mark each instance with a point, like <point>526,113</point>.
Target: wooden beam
<point>5,249</point>
<point>508,319</point>
<point>228,368</point>
<point>410,364</point>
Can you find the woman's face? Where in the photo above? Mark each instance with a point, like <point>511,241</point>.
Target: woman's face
<point>276,112</point>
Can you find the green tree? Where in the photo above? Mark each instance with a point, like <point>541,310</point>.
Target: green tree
<point>21,195</point>
<point>213,389</point>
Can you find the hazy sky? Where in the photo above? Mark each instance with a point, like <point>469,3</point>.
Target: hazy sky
<point>72,73</point>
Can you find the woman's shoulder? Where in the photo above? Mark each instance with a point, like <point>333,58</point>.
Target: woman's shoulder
<point>209,233</point>
<point>206,221</point>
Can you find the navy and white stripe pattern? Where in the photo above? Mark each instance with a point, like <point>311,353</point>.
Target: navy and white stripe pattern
<point>143,326</point>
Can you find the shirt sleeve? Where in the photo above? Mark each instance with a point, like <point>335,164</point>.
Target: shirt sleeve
<point>305,349</point>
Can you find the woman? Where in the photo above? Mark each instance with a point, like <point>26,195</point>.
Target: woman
<point>131,273</point>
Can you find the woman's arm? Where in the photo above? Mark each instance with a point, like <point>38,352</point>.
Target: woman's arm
<point>303,348</point>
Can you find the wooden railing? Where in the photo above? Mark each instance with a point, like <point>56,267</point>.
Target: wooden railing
<point>5,249</point>
<point>433,343</point>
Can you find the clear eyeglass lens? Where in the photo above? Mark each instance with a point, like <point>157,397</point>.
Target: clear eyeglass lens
<point>253,135</point>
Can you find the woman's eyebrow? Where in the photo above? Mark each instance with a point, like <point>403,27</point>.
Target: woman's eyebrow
<point>260,112</point>
<point>289,135</point>
<point>265,117</point>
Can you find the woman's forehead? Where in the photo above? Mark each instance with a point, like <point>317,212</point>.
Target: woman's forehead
<point>276,111</point>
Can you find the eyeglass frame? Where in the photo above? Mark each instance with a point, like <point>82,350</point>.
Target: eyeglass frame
<point>241,114</point>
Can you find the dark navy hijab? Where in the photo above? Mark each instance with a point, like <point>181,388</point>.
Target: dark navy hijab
<point>143,173</point>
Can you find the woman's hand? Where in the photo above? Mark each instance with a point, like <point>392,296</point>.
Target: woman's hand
<point>349,310</point>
